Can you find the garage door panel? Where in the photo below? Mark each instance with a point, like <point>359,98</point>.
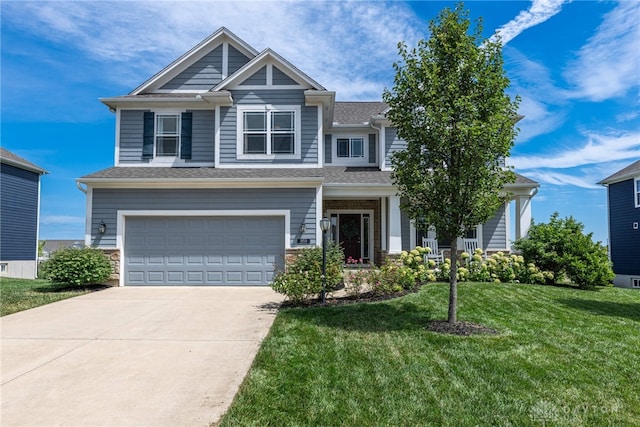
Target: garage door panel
<point>203,250</point>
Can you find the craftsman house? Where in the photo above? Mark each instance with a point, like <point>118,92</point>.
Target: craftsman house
<point>19,216</point>
<point>623,201</point>
<point>226,160</point>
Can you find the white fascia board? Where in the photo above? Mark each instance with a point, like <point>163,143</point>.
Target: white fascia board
<point>265,57</point>
<point>625,177</point>
<point>193,55</point>
<point>197,102</point>
<point>363,126</point>
<point>203,183</point>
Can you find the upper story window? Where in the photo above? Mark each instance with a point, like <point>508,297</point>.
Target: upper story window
<point>350,147</point>
<point>268,132</point>
<point>167,135</point>
<point>636,182</point>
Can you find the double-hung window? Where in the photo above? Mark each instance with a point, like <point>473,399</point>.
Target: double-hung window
<point>350,147</point>
<point>637,191</point>
<point>268,132</point>
<point>167,135</point>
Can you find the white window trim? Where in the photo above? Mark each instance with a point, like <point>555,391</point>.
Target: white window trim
<point>297,145</point>
<point>350,161</point>
<point>636,192</point>
<point>166,160</point>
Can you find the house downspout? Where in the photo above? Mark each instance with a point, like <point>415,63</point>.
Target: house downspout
<point>79,185</point>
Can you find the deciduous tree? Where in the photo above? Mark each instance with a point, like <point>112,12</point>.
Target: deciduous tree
<point>450,106</point>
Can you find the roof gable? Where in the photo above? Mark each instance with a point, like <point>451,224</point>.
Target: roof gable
<point>9,158</point>
<point>631,171</point>
<point>222,38</point>
<point>286,76</point>
<point>357,113</point>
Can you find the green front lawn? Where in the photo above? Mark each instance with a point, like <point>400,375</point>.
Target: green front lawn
<point>564,357</point>
<point>23,294</point>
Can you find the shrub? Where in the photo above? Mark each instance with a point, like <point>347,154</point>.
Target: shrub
<point>562,248</point>
<point>391,278</point>
<point>302,278</point>
<point>77,267</point>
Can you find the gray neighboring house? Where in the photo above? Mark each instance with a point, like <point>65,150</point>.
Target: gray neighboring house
<point>226,160</point>
<point>19,216</point>
<point>623,202</point>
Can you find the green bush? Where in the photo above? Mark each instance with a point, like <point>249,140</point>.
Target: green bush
<point>562,248</point>
<point>302,278</point>
<point>77,267</point>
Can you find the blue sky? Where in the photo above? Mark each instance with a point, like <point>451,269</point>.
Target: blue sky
<point>576,66</point>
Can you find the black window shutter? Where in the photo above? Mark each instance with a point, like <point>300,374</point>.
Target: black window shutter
<point>147,139</point>
<point>185,136</point>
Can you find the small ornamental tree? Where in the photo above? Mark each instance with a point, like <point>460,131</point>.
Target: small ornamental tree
<point>449,104</point>
<point>561,247</point>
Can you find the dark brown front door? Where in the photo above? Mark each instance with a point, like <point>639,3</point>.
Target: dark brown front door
<point>350,234</point>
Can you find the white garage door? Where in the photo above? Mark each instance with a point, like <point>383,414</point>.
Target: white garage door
<point>202,250</point>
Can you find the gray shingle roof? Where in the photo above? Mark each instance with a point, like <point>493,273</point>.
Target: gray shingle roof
<point>13,159</point>
<point>328,175</point>
<point>351,113</point>
<point>629,172</point>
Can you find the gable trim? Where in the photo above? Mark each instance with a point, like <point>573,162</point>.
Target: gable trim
<point>268,57</point>
<point>221,37</point>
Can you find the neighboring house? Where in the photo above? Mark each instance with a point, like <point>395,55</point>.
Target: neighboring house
<point>51,246</point>
<point>226,160</point>
<point>623,201</point>
<point>19,216</point>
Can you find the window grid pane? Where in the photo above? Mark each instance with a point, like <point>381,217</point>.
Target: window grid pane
<point>255,121</point>
<point>167,146</point>
<point>343,147</point>
<point>167,125</point>
<point>255,143</point>
<point>282,121</point>
<point>282,144</point>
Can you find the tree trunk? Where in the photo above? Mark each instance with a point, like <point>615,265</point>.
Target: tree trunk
<point>453,282</point>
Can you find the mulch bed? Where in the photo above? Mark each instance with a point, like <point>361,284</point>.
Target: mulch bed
<point>460,328</point>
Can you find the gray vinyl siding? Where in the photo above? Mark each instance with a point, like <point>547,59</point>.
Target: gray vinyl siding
<point>624,240</point>
<point>132,131</point>
<point>18,213</point>
<point>202,136</point>
<point>281,79</point>
<point>392,143</point>
<point>259,78</point>
<point>309,123</point>
<point>372,148</point>
<point>301,202</point>
<point>203,75</point>
<point>327,148</point>
<point>494,232</point>
<point>236,60</point>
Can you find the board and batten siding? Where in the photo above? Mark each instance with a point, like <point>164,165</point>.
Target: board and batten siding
<point>301,202</point>
<point>494,232</point>
<point>202,75</point>
<point>18,213</point>
<point>132,132</point>
<point>393,143</point>
<point>309,123</point>
<point>624,240</point>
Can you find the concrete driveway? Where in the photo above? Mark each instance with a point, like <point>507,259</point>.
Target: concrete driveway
<point>132,356</point>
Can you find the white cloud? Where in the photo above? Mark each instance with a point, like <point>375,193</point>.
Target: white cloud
<point>598,148</point>
<point>342,45</point>
<point>538,12</point>
<point>562,179</point>
<point>609,64</point>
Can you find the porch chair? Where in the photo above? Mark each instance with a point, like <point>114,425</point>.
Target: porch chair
<point>470,245</point>
<point>435,254</point>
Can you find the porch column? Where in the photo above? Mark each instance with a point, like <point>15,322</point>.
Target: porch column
<point>395,228</point>
<point>523,215</point>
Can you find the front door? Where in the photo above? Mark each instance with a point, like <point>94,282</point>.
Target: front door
<point>350,231</point>
<point>354,233</point>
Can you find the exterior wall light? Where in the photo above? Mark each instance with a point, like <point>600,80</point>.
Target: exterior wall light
<point>303,228</point>
<point>102,228</point>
